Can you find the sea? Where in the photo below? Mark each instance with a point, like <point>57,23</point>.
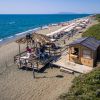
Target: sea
<point>15,25</point>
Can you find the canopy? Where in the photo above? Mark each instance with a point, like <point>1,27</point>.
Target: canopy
<point>59,30</point>
<point>69,29</point>
<point>35,37</point>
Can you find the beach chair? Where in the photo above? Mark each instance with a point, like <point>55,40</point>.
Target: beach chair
<point>26,57</point>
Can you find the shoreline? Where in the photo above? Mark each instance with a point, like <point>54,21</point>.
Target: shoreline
<point>6,40</point>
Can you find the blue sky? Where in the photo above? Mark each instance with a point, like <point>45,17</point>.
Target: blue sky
<point>48,6</point>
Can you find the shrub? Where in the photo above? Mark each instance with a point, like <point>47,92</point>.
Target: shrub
<point>85,87</point>
<point>98,17</point>
<point>98,93</point>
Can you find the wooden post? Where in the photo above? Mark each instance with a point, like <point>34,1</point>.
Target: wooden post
<point>69,52</point>
<point>19,48</point>
<point>54,52</point>
<point>37,65</point>
<point>27,43</point>
<point>33,70</point>
<point>25,64</point>
<point>19,57</point>
<point>49,50</point>
<point>64,42</point>
<point>60,52</point>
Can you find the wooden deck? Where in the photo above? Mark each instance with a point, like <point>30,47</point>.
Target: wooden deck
<point>35,62</point>
<point>65,64</point>
<point>40,64</point>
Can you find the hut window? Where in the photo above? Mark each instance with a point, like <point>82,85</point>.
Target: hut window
<point>75,51</point>
<point>86,53</point>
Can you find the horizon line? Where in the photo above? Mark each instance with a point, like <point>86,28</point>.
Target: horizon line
<point>42,13</point>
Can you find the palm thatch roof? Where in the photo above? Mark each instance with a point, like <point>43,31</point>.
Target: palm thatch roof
<point>38,38</point>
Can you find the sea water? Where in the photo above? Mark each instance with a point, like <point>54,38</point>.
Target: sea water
<point>14,25</point>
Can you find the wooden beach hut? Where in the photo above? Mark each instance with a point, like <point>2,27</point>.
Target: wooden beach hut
<point>84,51</point>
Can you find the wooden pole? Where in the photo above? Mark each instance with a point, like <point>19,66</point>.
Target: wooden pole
<point>26,64</point>
<point>19,57</point>
<point>49,50</point>
<point>19,48</point>
<point>69,52</point>
<point>37,59</point>
<point>60,52</point>
<point>37,65</point>
<point>54,52</point>
<point>33,70</point>
<point>27,43</point>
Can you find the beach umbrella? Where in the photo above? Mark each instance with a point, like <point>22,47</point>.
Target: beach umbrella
<point>21,41</point>
<point>41,39</point>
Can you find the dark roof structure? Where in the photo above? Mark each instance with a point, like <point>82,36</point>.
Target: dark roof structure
<point>89,42</point>
<point>99,42</point>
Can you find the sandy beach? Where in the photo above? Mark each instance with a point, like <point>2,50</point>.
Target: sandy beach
<point>18,84</point>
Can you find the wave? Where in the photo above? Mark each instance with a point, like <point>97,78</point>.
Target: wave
<point>29,31</point>
<point>11,22</point>
<point>1,40</point>
<point>19,34</point>
<point>10,37</point>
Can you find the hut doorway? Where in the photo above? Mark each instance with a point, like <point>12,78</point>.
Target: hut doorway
<point>75,51</point>
<point>74,54</point>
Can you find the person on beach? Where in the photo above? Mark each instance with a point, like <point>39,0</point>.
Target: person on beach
<point>29,50</point>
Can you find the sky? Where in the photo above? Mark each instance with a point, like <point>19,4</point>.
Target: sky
<point>48,6</point>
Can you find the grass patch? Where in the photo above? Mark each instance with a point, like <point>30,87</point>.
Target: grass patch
<point>85,87</point>
<point>93,31</point>
<point>98,17</point>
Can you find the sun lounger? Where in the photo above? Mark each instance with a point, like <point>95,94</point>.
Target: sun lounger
<point>26,57</point>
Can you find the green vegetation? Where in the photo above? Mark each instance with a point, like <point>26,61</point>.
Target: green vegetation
<point>85,87</point>
<point>93,31</point>
<point>98,17</point>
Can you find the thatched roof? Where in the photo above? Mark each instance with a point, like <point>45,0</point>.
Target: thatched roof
<point>21,40</point>
<point>39,38</point>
